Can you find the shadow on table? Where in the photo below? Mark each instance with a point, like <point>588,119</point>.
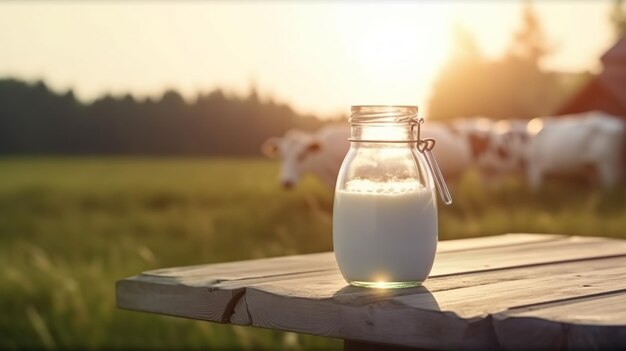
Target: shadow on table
<point>380,307</point>
<point>418,297</point>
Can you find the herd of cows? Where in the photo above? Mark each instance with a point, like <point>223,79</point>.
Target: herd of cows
<point>593,142</point>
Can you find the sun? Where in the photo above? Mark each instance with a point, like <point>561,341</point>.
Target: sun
<point>396,50</point>
<point>392,47</point>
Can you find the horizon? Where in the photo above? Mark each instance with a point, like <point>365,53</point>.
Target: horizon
<point>338,56</point>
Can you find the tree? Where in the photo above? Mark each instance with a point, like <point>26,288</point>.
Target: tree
<point>35,119</point>
<point>452,96</point>
<point>530,91</point>
<point>513,86</point>
<point>529,42</point>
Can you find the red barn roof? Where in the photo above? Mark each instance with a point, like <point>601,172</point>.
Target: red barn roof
<point>616,54</point>
<point>607,91</point>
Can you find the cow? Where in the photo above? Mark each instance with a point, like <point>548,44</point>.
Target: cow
<point>573,142</point>
<point>322,152</point>
<point>500,149</point>
<point>475,132</point>
<point>497,147</point>
<point>547,145</point>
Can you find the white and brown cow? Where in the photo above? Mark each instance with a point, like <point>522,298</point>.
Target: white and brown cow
<point>322,152</point>
<point>549,146</point>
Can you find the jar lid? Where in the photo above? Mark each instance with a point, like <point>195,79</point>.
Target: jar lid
<point>375,114</point>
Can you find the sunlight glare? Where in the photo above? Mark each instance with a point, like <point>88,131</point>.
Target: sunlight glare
<point>534,126</point>
<point>385,133</point>
<point>502,127</point>
<point>380,285</point>
<point>393,44</point>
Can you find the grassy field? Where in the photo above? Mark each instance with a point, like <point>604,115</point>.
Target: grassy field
<point>69,228</point>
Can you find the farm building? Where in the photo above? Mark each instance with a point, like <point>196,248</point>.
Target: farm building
<point>606,91</point>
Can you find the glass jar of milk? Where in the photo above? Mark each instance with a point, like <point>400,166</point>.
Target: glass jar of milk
<point>385,210</point>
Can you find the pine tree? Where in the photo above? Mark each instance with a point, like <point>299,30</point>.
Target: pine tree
<point>529,42</point>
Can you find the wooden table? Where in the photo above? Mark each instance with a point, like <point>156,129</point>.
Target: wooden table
<point>504,292</point>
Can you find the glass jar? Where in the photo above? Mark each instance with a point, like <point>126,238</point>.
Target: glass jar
<point>385,209</point>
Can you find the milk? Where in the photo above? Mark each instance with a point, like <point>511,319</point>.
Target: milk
<point>385,235</point>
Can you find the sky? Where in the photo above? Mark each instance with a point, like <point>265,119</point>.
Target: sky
<point>319,57</point>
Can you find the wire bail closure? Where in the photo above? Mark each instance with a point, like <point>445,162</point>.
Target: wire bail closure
<point>425,146</point>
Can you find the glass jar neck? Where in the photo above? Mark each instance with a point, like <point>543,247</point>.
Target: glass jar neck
<point>383,123</point>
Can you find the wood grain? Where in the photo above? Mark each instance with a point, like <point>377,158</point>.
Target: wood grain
<point>480,294</point>
<point>459,309</point>
<point>456,264</point>
<point>594,322</point>
<point>170,297</point>
<point>326,261</point>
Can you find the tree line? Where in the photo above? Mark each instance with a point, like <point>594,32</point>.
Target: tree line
<point>37,120</point>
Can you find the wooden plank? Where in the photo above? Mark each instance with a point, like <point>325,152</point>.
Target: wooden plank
<point>455,309</point>
<point>326,261</point>
<point>284,268</point>
<point>131,291</point>
<point>325,283</point>
<point>495,241</point>
<point>596,322</point>
<point>598,309</point>
<point>452,284</point>
<point>571,248</point>
<point>252,268</point>
<point>383,321</point>
<point>328,284</point>
<point>170,297</point>
<point>425,315</point>
<point>569,280</point>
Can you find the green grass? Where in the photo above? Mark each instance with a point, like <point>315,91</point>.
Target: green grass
<point>70,227</point>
